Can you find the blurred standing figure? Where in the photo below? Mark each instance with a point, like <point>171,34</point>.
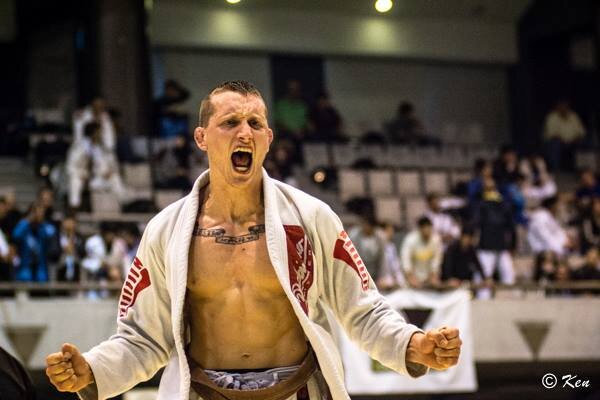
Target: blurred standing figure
<point>325,121</point>
<point>291,112</point>
<point>72,250</point>
<point>35,239</point>
<point>588,189</point>
<point>443,224</point>
<point>589,227</point>
<point>563,131</point>
<point>9,214</point>
<point>390,276</point>
<point>545,231</point>
<point>96,112</point>
<point>460,260</point>
<point>422,255</point>
<point>494,219</point>
<point>369,245</point>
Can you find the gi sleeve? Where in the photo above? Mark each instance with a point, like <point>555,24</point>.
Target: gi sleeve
<point>362,311</point>
<point>144,338</point>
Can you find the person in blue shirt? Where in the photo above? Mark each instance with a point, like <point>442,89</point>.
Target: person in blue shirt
<point>36,240</point>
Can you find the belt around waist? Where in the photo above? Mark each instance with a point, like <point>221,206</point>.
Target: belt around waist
<point>206,388</point>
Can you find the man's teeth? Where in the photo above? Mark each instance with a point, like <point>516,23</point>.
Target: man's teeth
<point>243,150</point>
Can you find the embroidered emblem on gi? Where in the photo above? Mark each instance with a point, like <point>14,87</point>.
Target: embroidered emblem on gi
<point>345,251</point>
<point>300,263</point>
<point>137,280</point>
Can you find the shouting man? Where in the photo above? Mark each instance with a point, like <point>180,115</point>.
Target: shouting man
<point>230,286</point>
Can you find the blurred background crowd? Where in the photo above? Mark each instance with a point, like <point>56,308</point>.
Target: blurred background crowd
<point>459,141</point>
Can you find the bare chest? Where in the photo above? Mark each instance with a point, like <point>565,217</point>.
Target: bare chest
<point>230,258</point>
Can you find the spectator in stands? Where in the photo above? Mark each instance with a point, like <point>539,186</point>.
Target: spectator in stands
<point>506,167</point>
<point>460,263</point>
<point>72,247</point>
<point>6,257</point>
<point>493,218</point>
<point>443,224</point>
<point>9,214</point>
<point>535,181</point>
<point>589,187</point>
<point>563,131</point>
<point>325,123</point>
<point>545,231</point>
<point>390,276</point>
<point>36,242</point>
<point>421,255</point>
<point>96,112</point>
<point>78,164</point>
<point>405,128</point>
<point>589,227</point>
<point>45,198</point>
<point>590,270</point>
<point>170,119</point>
<point>291,113</point>
<point>369,245</point>
<point>546,266</point>
<point>482,169</point>
<point>107,255</point>
<point>174,165</point>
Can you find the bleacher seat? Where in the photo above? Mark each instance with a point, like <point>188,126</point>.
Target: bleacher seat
<point>587,159</point>
<point>398,156</point>
<point>388,209</point>
<point>137,176</point>
<point>165,197</point>
<point>415,208</point>
<point>105,202</point>
<point>138,179</point>
<point>351,183</point>
<point>460,175</point>
<point>408,182</point>
<point>435,182</point>
<point>315,155</point>
<point>343,155</point>
<point>381,182</point>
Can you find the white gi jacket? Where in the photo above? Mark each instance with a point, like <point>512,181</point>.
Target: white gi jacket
<point>315,262</point>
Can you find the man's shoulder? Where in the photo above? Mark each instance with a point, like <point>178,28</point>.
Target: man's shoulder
<point>301,198</point>
<point>165,218</point>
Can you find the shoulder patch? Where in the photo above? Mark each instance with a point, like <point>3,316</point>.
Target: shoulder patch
<point>345,251</point>
<point>137,280</point>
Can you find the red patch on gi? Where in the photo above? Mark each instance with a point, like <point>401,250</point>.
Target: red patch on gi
<point>345,251</point>
<point>137,280</point>
<point>300,263</point>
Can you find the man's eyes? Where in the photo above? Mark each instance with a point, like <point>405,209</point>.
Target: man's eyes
<point>255,124</point>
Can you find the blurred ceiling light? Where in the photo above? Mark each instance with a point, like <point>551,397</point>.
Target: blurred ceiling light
<point>383,5</point>
<point>233,1</point>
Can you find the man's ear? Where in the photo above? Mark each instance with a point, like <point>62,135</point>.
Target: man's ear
<point>270,133</point>
<point>199,138</point>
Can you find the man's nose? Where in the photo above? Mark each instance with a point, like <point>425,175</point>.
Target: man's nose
<point>245,131</point>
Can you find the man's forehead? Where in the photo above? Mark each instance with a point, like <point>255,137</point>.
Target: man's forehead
<point>228,102</point>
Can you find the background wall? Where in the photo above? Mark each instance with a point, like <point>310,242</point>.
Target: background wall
<point>201,71</point>
<point>452,100</point>
<point>203,24</point>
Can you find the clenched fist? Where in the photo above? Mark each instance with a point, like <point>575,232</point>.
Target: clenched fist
<point>68,371</point>
<point>438,348</point>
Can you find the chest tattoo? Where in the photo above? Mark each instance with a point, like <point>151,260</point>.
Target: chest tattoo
<point>220,236</point>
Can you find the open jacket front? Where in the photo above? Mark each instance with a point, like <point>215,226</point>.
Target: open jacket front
<point>318,268</point>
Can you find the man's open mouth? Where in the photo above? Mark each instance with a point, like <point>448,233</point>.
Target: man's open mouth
<point>242,159</point>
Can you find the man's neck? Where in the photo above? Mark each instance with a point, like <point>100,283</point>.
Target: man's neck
<point>232,204</point>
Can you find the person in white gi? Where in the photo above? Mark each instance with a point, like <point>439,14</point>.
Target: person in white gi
<point>237,276</point>
<point>96,112</point>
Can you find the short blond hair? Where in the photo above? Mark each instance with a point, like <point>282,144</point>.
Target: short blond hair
<point>241,87</point>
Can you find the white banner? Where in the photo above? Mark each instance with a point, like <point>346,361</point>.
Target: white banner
<point>366,376</point>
